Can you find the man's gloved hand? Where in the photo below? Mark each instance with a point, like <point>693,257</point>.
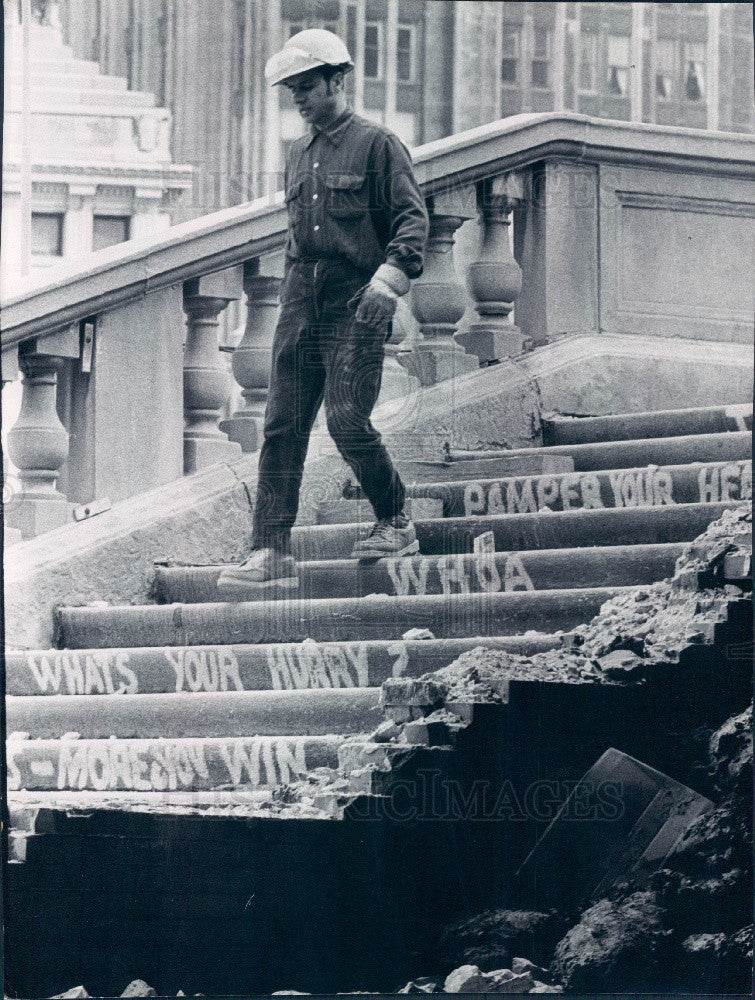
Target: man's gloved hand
<point>380,297</point>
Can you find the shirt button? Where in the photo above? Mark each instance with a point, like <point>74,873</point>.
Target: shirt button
<point>315,197</point>
<point>316,165</point>
<point>317,229</point>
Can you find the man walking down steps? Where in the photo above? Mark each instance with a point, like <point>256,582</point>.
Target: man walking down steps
<point>357,228</point>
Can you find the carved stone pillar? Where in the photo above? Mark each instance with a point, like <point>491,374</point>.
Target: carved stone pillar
<point>495,279</point>
<point>38,447</point>
<point>207,385</point>
<point>438,303</point>
<point>252,356</point>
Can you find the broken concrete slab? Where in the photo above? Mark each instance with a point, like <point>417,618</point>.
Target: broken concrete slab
<point>622,817</point>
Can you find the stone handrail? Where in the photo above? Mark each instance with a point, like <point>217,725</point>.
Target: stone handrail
<point>102,346</point>
<point>236,234</point>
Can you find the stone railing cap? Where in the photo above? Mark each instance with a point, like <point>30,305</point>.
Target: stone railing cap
<point>228,237</point>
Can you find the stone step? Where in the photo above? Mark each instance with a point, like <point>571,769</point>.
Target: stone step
<point>381,617</point>
<point>548,569</point>
<point>532,462</point>
<point>731,446</point>
<point>158,765</point>
<point>520,532</point>
<point>639,487</point>
<point>61,93</point>
<point>44,79</point>
<point>656,424</point>
<point>174,715</point>
<point>285,666</point>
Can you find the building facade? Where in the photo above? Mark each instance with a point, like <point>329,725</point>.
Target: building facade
<point>427,68</point>
<point>98,154</point>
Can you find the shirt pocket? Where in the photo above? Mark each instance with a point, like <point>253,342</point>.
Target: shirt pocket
<point>347,195</point>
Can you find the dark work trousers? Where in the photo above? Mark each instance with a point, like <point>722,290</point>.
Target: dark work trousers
<point>320,352</point>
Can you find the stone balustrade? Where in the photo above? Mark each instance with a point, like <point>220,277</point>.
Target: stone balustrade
<point>595,207</point>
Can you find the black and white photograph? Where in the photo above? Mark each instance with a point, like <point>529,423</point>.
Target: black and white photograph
<point>377,392</point>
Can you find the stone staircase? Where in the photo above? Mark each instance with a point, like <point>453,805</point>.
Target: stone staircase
<point>191,702</point>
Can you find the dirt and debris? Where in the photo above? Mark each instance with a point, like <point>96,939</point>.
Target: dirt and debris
<point>692,930</point>
<point>616,946</point>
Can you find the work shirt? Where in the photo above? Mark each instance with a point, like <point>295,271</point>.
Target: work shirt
<point>351,195</point>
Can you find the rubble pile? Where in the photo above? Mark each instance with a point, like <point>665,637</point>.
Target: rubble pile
<point>634,635</point>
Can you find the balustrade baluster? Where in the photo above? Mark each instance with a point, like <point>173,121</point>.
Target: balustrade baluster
<point>38,446</point>
<point>251,358</point>
<point>439,299</point>
<point>207,385</point>
<point>495,279</point>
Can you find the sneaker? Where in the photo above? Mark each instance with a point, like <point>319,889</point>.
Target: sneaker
<point>389,537</point>
<point>269,567</point>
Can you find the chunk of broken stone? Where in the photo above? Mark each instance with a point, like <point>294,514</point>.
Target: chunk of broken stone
<point>422,985</point>
<point>466,979</point>
<point>574,861</point>
<point>507,981</point>
<point>418,633</point>
<point>385,732</point>
<point>621,665</point>
<point>427,734</point>
<point>410,692</point>
<point>520,965</point>
<point>73,994</point>
<point>138,988</point>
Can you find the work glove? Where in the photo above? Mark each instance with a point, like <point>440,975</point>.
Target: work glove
<point>380,298</point>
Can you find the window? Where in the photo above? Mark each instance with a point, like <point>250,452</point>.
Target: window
<point>588,62</point>
<point>109,229</point>
<point>694,72</point>
<point>405,49</point>
<point>665,70</point>
<point>618,65</point>
<point>541,53</point>
<point>510,59</point>
<point>47,234</point>
<point>373,51</point>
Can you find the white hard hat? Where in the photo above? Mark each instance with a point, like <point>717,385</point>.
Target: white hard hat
<point>307,50</point>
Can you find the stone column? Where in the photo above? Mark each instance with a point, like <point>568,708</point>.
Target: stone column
<point>439,299</point>
<point>207,385</point>
<point>251,358</point>
<point>38,447</point>
<point>148,214</point>
<point>79,220</point>
<point>713,65</point>
<point>495,279</point>
<point>358,57</point>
